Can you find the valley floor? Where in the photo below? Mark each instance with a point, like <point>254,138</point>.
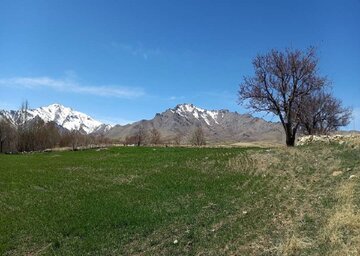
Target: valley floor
<point>182,201</point>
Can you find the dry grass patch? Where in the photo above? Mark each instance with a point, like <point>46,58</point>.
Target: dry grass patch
<point>292,245</point>
<point>342,231</point>
<point>305,178</point>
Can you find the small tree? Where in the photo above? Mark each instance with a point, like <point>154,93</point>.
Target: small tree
<point>155,137</point>
<point>323,113</point>
<point>281,84</point>
<point>75,138</point>
<point>23,128</point>
<point>177,139</point>
<point>198,137</point>
<point>140,136</point>
<point>3,134</point>
<point>23,115</point>
<point>130,140</point>
<point>7,136</point>
<point>52,135</point>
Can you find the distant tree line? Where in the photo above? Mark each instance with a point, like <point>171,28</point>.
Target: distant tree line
<point>36,135</point>
<point>288,84</point>
<point>143,137</point>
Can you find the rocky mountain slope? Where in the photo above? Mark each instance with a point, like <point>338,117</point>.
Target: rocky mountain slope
<point>63,116</point>
<point>218,125</point>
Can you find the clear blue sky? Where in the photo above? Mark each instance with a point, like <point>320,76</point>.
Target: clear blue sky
<point>126,60</point>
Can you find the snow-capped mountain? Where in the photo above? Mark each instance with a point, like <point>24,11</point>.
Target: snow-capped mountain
<point>62,116</point>
<point>218,125</point>
<point>208,116</point>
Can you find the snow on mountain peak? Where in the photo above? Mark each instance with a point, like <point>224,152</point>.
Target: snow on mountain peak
<point>65,117</point>
<point>208,116</point>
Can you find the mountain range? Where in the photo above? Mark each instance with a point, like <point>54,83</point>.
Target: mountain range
<point>219,126</point>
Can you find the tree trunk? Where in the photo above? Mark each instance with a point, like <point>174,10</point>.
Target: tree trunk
<point>290,140</point>
<point>290,136</point>
<point>308,129</point>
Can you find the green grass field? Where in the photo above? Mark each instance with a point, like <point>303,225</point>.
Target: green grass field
<point>181,201</point>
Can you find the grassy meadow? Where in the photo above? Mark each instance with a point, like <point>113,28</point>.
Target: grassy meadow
<point>182,201</point>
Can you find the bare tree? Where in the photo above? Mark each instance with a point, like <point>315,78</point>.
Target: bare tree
<point>7,136</point>
<point>52,135</point>
<point>23,115</point>
<point>323,113</point>
<point>3,135</point>
<point>24,137</point>
<point>280,85</point>
<point>140,136</point>
<point>5,130</point>
<point>177,139</point>
<point>155,137</point>
<point>198,137</point>
<point>45,135</point>
<point>75,139</point>
<point>130,140</point>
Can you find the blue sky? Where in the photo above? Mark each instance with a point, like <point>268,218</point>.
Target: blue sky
<point>122,61</point>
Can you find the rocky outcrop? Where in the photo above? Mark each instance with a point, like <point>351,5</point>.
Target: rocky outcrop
<point>352,140</point>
